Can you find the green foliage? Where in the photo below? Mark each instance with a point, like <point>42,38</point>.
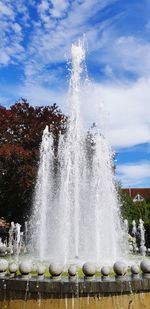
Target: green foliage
<point>134,211</point>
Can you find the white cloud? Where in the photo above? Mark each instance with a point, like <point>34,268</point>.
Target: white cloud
<point>5,10</point>
<point>57,28</point>
<point>4,58</point>
<point>16,27</point>
<point>126,111</point>
<point>52,37</point>
<point>134,174</point>
<point>59,7</point>
<point>38,95</point>
<point>14,17</point>
<point>127,53</point>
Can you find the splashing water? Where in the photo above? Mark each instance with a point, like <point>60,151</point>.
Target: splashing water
<point>76,211</point>
<point>43,193</point>
<point>142,232</point>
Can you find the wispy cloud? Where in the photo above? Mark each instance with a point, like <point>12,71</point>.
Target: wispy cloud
<point>13,17</point>
<point>135,174</point>
<point>127,111</point>
<point>38,95</point>
<point>58,24</point>
<point>53,8</point>
<point>126,54</point>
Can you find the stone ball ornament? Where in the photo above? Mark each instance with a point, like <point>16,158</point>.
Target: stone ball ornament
<point>55,270</point>
<point>105,271</point>
<point>9,251</point>
<point>3,250</point>
<point>25,268</point>
<point>41,269</point>
<point>89,269</point>
<point>148,251</point>
<point>145,267</point>
<point>135,271</point>
<point>120,268</point>
<point>143,250</point>
<point>72,271</point>
<point>3,266</point>
<point>13,267</point>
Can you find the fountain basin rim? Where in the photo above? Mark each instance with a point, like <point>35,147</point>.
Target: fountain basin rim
<point>59,288</point>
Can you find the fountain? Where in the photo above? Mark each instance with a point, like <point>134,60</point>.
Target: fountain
<point>141,230</point>
<point>11,236</point>
<point>134,229</point>
<point>76,210</point>
<point>126,225</point>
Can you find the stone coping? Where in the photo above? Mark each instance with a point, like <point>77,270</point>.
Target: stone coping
<point>18,288</point>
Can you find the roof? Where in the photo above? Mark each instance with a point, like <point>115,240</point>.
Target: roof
<point>144,192</point>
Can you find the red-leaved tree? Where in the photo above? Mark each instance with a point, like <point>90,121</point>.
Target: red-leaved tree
<point>21,128</point>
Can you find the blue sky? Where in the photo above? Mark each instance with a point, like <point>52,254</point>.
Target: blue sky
<point>36,36</point>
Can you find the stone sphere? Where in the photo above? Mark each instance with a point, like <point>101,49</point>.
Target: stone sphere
<point>41,269</point>
<point>25,267</point>
<point>89,269</point>
<point>105,270</point>
<point>135,269</point>
<point>13,267</point>
<point>3,265</point>
<point>120,268</point>
<point>55,269</point>
<point>143,250</point>
<point>145,266</point>
<point>72,271</point>
<point>3,250</point>
<point>9,251</point>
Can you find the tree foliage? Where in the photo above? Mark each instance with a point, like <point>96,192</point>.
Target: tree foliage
<point>135,211</point>
<point>21,128</point>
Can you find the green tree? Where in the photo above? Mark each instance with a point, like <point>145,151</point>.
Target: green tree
<point>134,211</point>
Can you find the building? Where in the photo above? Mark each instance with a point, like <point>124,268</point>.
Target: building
<point>138,194</point>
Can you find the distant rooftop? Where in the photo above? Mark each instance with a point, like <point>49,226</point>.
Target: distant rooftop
<point>138,194</point>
